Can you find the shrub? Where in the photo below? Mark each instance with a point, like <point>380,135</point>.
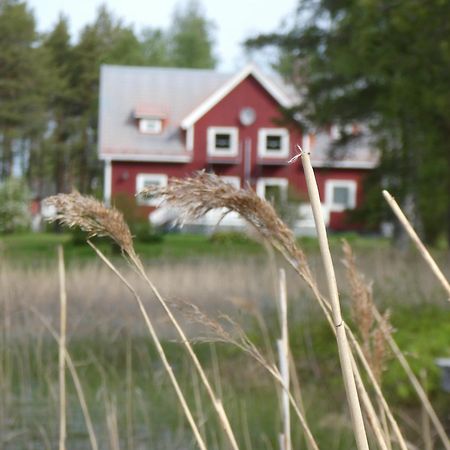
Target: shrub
<point>143,231</point>
<point>14,212</point>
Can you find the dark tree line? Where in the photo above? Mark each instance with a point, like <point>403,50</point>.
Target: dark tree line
<point>49,87</point>
<point>384,63</point>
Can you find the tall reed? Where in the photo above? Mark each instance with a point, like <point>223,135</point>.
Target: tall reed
<point>418,243</point>
<point>343,347</point>
<point>98,220</point>
<point>62,349</point>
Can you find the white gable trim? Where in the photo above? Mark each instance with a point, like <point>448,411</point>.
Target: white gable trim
<point>223,91</point>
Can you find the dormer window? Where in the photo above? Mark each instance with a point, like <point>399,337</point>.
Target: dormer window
<point>150,119</point>
<point>151,125</point>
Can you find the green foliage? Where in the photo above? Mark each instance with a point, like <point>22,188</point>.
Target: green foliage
<point>228,238</point>
<point>143,231</point>
<point>14,202</point>
<point>191,38</point>
<point>22,82</point>
<point>385,65</point>
<point>49,87</point>
<point>423,338</point>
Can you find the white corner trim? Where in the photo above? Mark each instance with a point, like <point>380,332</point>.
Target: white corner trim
<point>146,158</point>
<point>142,179</point>
<point>228,86</point>
<point>262,183</point>
<point>212,150</point>
<point>351,185</point>
<point>107,182</point>
<point>283,133</point>
<point>306,142</point>
<point>190,138</point>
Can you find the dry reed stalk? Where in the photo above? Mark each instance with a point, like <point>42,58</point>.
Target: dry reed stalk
<point>129,394</point>
<point>217,403</point>
<point>415,238</point>
<point>197,195</point>
<point>75,379</point>
<point>343,347</point>
<point>283,352</point>
<point>384,333</point>
<point>158,346</point>
<point>62,349</point>
<point>372,352</point>
<point>111,424</point>
<point>242,341</point>
<point>97,220</point>
<point>201,418</point>
<point>425,420</point>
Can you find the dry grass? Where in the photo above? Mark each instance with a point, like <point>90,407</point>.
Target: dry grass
<point>245,285</point>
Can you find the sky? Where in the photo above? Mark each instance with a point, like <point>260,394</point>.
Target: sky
<point>235,20</point>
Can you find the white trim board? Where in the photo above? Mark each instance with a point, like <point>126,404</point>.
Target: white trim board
<point>146,158</point>
<point>107,182</point>
<point>226,88</point>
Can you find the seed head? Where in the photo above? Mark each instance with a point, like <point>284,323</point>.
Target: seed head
<point>93,217</point>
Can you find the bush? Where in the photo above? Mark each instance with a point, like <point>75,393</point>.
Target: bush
<point>14,211</point>
<point>143,231</point>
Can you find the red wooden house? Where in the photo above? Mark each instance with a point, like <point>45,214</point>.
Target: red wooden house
<point>157,123</point>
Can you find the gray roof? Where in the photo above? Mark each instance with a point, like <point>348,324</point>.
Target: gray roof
<point>175,92</point>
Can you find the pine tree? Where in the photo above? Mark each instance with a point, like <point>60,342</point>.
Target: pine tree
<point>190,37</point>
<point>385,64</point>
<point>21,84</point>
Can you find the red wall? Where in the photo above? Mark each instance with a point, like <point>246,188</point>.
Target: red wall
<point>249,93</point>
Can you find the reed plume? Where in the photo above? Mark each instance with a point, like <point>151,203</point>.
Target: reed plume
<point>372,332</point>
<point>93,217</point>
<point>199,194</point>
<point>79,211</point>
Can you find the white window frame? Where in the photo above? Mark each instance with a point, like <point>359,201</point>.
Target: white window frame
<point>231,179</point>
<point>262,183</point>
<point>141,179</point>
<point>283,133</point>
<point>351,185</point>
<point>212,150</point>
<point>143,120</point>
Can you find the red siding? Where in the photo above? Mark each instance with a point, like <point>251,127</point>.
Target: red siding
<point>249,93</point>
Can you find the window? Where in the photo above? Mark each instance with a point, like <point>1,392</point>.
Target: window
<point>273,142</point>
<point>150,126</point>
<point>340,194</point>
<point>222,141</point>
<point>272,189</point>
<point>144,180</point>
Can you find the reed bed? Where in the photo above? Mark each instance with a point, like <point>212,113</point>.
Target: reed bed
<point>181,354</point>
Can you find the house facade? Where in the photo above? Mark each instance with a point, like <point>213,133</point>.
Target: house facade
<point>158,123</point>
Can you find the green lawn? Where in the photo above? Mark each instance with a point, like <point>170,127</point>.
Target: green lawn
<point>38,248</point>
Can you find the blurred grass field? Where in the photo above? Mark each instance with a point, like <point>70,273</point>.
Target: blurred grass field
<point>120,372</point>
